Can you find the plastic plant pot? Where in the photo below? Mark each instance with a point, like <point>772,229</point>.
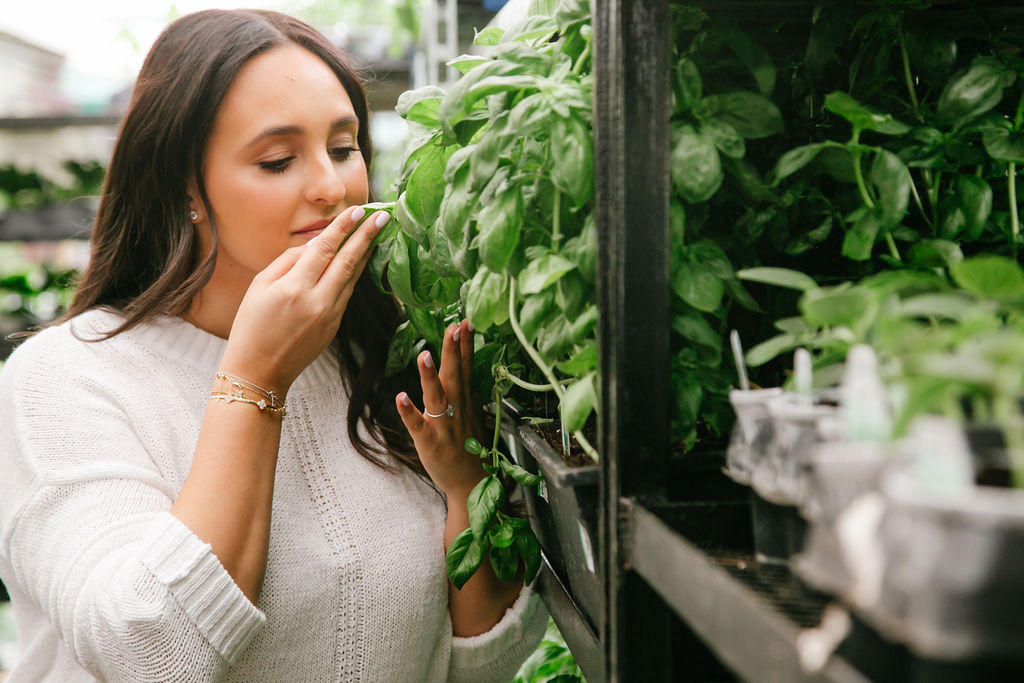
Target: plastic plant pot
<point>751,408</point>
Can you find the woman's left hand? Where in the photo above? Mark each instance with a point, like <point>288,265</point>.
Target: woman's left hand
<point>441,441</point>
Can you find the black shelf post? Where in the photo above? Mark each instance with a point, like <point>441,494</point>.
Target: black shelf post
<point>631,56</point>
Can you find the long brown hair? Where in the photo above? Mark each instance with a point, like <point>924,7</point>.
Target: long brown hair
<point>145,250</point>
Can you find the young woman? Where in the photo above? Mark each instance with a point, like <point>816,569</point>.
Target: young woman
<point>206,475</point>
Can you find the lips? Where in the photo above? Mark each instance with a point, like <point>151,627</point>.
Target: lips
<point>314,228</point>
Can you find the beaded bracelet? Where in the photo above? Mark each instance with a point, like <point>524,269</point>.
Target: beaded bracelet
<point>266,400</point>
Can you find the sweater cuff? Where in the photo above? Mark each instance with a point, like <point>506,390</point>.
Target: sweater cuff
<point>517,623</point>
<point>201,586</point>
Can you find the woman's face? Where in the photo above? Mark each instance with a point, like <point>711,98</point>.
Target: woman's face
<point>282,160</point>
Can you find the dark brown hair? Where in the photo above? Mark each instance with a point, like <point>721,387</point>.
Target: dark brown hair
<point>145,250</point>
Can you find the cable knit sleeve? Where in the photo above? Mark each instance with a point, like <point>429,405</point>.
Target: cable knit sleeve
<point>87,536</point>
<point>498,654</point>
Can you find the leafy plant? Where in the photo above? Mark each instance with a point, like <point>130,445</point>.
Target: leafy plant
<point>551,662</point>
<point>495,222</point>
<point>26,190</point>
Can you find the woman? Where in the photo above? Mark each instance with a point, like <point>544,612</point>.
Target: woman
<point>206,475</point>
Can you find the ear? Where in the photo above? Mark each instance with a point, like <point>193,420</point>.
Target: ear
<point>196,209</point>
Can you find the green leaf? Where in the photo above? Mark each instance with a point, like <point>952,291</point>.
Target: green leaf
<point>473,446</point>
<point>695,169</point>
<point>464,557</point>
<point>405,345</point>
<point>795,159</point>
<point>505,563</point>
<point>424,189</point>
<point>499,223</point>
<point>780,277</point>
<point>464,63</point>
<point>534,311</point>
<point>975,91</point>
<point>486,299</point>
<point>932,253</point>
<point>687,85</point>
<point>572,159</point>
<point>1004,145</point>
<point>528,549</point>
<point>696,330</point>
<point>860,238</point>
<point>975,198</point>
<point>521,476</point>
<point>697,285</point>
<point>420,105</point>
<point>724,137</point>
<point>501,535</point>
<point>891,179</point>
<point>488,37</point>
<point>861,117</point>
<point>580,400</point>
<point>771,348</point>
<point>991,277</point>
<point>584,324</point>
<point>483,503</point>
<point>838,306</point>
<point>753,116</point>
<point>582,361</point>
<point>543,272</point>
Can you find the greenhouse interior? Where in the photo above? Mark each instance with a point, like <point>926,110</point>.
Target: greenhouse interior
<point>746,284</point>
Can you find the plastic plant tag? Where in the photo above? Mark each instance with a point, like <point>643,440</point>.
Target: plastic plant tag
<point>802,375</point>
<point>565,432</point>
<point>737,357</point>
<point>940,456</point>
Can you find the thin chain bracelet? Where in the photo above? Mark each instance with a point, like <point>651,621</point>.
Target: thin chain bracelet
<point>267,401</point>
<point>239,398</point>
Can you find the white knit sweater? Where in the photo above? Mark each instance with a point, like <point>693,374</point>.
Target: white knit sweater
<point>96,440</point>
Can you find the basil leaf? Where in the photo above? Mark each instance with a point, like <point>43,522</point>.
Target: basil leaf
<point>860,238</point>
<point>753,56</point>
<point>535,309</point>
<point>404,346</point>
<point>584,360</point>
<point>973,92</point>
<point>482,504</point>
<point>543,272</point>
<point>752,115</point>
<point>579,401</point>
<point>464,556</point>
<point>687,85</point>
<point>795,159</point>
<point>499,223</point>
<point>572,159</point>
<point>501,536</point>
<point>891,178</point>
<point>424,189</point>
<point>697,285</point>
<point>975,198</point>
<point>1004,145</point>
<point>521,476</point>
<point>780,277</point>
<point>724,137</point>
<point>695,169</point>
<point>487,299</point>
<point>528,548</point>
<point>991,277</point>
<point>420,105</point>
<point>832,307</point>
<point>696,330</point>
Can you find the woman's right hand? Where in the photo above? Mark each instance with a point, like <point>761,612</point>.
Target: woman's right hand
<point>293,308</point>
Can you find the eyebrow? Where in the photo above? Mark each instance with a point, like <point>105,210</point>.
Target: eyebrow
<point>276,131</point>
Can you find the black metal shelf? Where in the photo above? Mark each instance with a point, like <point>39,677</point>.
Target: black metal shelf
<point>750,614</point>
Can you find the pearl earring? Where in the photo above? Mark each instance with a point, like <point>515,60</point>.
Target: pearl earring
<point>193,215</point>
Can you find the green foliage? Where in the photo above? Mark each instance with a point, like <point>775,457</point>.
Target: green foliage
<point>21,190</point>
<point>495,222</point>
<point>883,144</point>
<point>551,662</point>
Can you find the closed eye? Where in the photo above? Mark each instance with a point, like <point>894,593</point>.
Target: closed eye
<point>343,153</point>
<point>277,165</point>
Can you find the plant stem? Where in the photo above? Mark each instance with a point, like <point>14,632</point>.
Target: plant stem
<point>503,373</point>
<point>556,224</point>
<point>861,186</point>
<point>892,246</point>
<point>1014,220</point>
<point>496,441</point>
<point>920,206</point>
<point>581,60</point>
<point>907,77</point>
<point>545,369</point>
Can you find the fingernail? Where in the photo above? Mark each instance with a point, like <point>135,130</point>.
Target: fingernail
<point>382,219</point>
<point>428,361</point>
<point>312,240</point>
<point>457,333</point>
<point>470,328</point>
<point>358,214</point>
<point>404,400</point>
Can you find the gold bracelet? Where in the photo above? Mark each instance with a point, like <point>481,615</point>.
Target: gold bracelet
<point>239,398</point>
<point>264,400</point>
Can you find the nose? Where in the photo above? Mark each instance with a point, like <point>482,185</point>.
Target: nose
<point>324,185</point>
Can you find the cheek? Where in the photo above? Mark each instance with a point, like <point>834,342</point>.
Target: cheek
<point>357,184</point>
